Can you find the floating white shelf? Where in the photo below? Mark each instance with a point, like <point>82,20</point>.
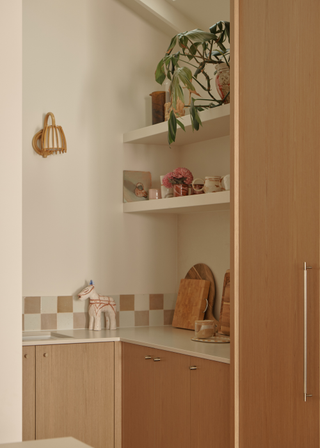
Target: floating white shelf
<point>215,124</point>
<point>185,204</point>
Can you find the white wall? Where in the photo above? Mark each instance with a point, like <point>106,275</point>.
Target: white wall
<point>205,237</point>
<point>10,235</point>
<point>91,63</point>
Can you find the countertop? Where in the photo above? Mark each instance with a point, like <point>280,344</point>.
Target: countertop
<point>64,442</point>
<point>163,338</point>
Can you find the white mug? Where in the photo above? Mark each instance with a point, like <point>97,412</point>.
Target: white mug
<point>211,184</point>
<point>225,182</point>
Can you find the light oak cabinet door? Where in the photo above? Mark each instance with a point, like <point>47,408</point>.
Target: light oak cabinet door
<point>277,163</point>
<point>171,400</point>
<point>162,400</point>
<point>28,393</point>
<point>138,423</point>
<point>75,392</point>
<point>210,403</point>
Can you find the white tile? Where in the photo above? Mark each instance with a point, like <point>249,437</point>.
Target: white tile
<point>65,321</point>
<point>116,298</point>
<point>32,322</point>
<point>169,302</point>
<point>156,318</point>
<point>126,319</point>
<point>141,302</point>
<point>80,306</point>
<point>49,304</point>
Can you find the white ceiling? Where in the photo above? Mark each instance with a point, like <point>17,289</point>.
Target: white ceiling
<point>203,13</point>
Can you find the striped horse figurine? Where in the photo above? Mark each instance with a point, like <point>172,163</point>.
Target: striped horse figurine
<point>97,305</point>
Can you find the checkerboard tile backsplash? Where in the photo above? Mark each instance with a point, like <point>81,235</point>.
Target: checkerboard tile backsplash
<point>67,312</point>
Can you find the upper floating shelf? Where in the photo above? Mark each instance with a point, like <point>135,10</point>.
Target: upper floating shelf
<point>185,204</point>
<point>216,123</point>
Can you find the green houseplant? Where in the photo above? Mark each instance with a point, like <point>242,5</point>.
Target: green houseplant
<point>188,67</point>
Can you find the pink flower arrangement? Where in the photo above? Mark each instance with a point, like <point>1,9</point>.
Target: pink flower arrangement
<point>178,176</point>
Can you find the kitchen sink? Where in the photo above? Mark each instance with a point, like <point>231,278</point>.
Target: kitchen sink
<point>43,336</point>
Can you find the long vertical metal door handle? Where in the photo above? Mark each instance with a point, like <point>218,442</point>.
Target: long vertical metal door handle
<point>305,329</point>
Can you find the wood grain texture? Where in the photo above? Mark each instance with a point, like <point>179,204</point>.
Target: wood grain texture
<point>75,392</point>
<point>279,222</point>
<point>28,393</point>
<point>210,404</point>
<point>191,303</point>
<point>138,412</point>
<point>118,394</point>
<point>201,271</point>
<point>172,400</point>
<point>224,321</point>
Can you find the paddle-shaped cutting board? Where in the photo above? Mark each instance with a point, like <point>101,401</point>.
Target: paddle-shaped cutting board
<point>191,303</point>
<point>224,321</point>
<point>201,271</point>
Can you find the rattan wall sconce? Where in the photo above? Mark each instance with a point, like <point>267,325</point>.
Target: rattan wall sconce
<point>51,139</point>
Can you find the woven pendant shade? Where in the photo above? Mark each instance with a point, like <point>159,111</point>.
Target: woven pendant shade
<point>51,139</point>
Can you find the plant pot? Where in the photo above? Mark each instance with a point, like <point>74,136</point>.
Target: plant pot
<point>180,190</point>
<point>223,81</point>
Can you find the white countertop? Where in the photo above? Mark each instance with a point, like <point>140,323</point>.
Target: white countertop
<point>164,338</point>
<point>64,442</point>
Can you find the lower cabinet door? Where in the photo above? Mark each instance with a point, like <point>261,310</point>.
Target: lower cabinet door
<point>138,422</point>
<point>172,400</point>
<point>75,392</point>
<point>210,403</point>
<point>28,393</point>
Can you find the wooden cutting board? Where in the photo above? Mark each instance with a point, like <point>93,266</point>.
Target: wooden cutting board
<point>191,303</point>
<point>224,321</point>
<point>201,271</point>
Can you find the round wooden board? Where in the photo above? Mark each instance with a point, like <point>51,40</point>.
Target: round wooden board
<point>201,271</point>
<point>220,339</point>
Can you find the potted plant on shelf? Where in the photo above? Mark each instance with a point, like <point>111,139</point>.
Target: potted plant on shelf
<point>180,179</point>
<point>199,50</point>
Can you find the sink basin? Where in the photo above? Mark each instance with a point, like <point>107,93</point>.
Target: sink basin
<point>43,336</point>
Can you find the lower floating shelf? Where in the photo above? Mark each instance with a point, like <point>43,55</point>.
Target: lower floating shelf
<point>186,204</point>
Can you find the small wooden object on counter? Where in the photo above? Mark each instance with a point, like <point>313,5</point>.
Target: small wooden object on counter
<point>191,303</point>
<point>51,139</point>
<point>224,322</point>
<point>201,271</point>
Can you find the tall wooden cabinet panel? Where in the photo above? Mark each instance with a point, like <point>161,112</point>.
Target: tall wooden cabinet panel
<point>210,398</point>
<point>75,388</point>
<point>277,97</point>
<point>28,393</point>
<point>172,400</point>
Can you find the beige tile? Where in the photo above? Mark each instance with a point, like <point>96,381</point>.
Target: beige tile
<point>141,318</point>
<point>80,320</point>
<point>48,321</point>
<point>127,302</point>
<point>168,317</point>
<point>170,301</point>
<point>65,304</point>
<point>32,305</point>
<point>156,301</point>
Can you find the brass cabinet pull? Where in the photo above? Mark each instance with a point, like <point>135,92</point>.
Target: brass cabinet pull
<point>193,367</point>
<point>45,355</point>
<point>156,359</point>
<point>26,356</point>
<point>305,329</point>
